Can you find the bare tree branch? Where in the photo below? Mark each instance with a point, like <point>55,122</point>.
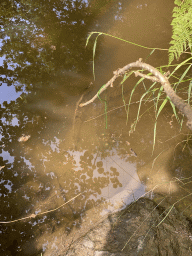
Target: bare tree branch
<point>152,78</point>
<point>177,101</point>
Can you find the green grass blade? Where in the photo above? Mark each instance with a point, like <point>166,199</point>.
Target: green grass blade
<point>150,54</point>
<point>98,94</point>
<point>150,48</point>
<point>158,97</point>
<point>94,50</point>
<point>132,91</point>
<point>122,83</point>
<point>180,65</point>
<point>155,125</point>
<point>141,99</point>
<point>189,92</point>
<point>184,74</point>
<point>89,36</point>
<point>162,106</point>
<point>174,111</point>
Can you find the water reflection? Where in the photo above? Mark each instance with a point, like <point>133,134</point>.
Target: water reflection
<point>45,59</point>
<point>46,170</point>
<point>8,93</point>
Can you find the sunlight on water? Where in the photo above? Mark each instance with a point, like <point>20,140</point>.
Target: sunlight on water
<point>60,168</point>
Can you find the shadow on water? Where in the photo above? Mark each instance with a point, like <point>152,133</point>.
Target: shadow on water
<point>71,153</point>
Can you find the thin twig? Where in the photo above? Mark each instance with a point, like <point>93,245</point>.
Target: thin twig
<point>152,78</point>
<point>35,215</point>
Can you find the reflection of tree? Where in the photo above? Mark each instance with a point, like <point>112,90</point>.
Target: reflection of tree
<point>54,175</point>
<point>40,38</point>
<point>44,174</point>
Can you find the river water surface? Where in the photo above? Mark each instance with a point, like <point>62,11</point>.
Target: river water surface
<point>79,164</point>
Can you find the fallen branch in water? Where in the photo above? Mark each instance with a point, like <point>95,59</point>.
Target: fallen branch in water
<point>158,77</point>
<point>35,215</point>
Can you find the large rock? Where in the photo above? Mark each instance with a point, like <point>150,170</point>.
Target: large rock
<point>143,228</point>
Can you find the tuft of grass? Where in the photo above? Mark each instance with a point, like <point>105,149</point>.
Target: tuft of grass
<point>160,100</point>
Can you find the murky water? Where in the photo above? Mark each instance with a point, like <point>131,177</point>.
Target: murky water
<point>70,153</point>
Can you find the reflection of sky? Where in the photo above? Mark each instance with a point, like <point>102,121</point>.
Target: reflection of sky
<point>7,184</point>
<point>127,175</point>
<point>14,122</point>
<point>7,93</point>
<point>28,163</point>
<point>7,157</point>
<point>125,171</point>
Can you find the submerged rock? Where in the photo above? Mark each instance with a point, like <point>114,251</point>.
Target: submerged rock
<point>143,228</point>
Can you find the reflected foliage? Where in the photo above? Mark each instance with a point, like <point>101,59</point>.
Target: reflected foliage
<point>39,39</point>
<point>42,45</point>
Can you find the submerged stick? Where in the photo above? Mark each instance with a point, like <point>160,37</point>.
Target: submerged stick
<point>176,100</point>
